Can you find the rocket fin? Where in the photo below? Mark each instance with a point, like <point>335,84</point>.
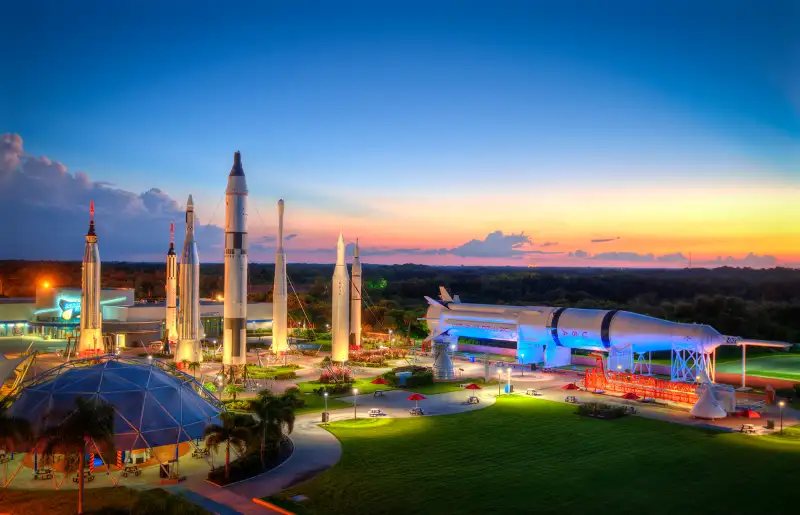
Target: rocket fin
<point>444,295</point>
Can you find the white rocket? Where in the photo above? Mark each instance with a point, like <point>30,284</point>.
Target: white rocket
<point>234,340</point>
<point>189,309</point>
<point>91,338</point>
<point>340,316</point>
<point>279,294</point>
<point>172,289</point>
<point>355,300</point>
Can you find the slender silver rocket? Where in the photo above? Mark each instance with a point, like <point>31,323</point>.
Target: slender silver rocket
<point>340,316</point>
<point>279,294</point>
<point>189,308</point>
<point>91,338</point>
<point>355,300</point>
<point>171,330</point>
<point>234,340</point>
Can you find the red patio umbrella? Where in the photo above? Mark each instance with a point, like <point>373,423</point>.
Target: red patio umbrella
<point>631,396</point>
<point>380,380</point>
<point>472,386</point>
<point>570,386</point>
<point>416,397</point>
<point>748,413</point>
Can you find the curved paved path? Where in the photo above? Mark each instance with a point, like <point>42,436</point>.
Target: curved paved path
<point>316,449</point>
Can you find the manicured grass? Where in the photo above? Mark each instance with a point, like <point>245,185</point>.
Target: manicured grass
<point>779,366</point>
<point>450,387</point>
<point>316,404</point>
<point>256,372</point>
<point>364,386</point>
<point>98,500</point>
<point>533,456</point>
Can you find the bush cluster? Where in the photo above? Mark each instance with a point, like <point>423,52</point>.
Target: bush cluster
<point>420,376</point>
<point>789,393</point>
<point>336,375</point>
<point>597,409</point>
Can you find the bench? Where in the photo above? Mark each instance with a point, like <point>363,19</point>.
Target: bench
<point>532,391</point>
<point>748,429</point>
<point>43,473</point>
<point>376,412</point>
<point>473,400</point>
<point>201,453</point>
<point>378,393</point>
<point>86,474</point>
<point>571,399</point>
<point>416,411</point>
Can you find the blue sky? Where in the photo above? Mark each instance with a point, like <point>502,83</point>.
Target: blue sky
<point>413,104</point>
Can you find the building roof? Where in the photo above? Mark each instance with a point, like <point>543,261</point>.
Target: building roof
<point>153,404</point>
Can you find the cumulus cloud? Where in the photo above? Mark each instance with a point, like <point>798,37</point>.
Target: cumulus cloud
<point>46,208</point>
<point>623,256</point>
<point>750,260</point>
<point>675,257</point>
<point>604,240</point>
<point>579,254</point>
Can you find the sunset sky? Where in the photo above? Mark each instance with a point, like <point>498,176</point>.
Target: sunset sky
<point>447,132</point>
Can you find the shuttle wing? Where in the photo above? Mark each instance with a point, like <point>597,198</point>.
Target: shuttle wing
<point>444,295</point>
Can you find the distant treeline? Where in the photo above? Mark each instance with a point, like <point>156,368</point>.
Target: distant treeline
<point>762,304</point>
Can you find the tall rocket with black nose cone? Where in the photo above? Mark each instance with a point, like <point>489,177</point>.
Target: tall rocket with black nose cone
<point>91,338</point>
<point>235,310</point>
<point>171,330</point>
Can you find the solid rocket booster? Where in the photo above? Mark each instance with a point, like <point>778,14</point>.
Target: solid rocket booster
<point>235,310</point>
<point>189,310</point>
<point>91,338</point>
<point>355,300</point>
<point>340,316</point>
<point>279,293</point>
<point>172,288</point>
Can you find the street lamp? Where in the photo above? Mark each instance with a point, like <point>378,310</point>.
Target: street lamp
<point>498,382</point>
<point>326,401</point>
<point>781,404</point>
<point>523,364</point>
<point>355,399</point>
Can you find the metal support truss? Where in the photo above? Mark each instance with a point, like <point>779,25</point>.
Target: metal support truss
<point>689,361</point>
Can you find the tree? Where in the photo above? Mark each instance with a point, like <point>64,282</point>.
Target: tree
<point>91,422</point>
<point>193,366</point>
<point>274,413</point>
<point>233,432</point>
<point>233,390</point>
<point>13,431</point>
<point>185,363</point>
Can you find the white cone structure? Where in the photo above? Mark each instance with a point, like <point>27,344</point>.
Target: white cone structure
<point>189,309</point>
<point>340,316</point>
<point>707,406</point>
<point>234,331</point>
<point>279,294</point>
<point>91,338</point>
<point>355,300</point>
<point>171,329</point>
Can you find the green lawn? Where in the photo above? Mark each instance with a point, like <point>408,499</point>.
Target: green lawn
<point>316,404</point>
<point>107,501</point>
<point>364,386</point>
<point>533,456</point>
<point>779,366</point>
<point>256,372</point>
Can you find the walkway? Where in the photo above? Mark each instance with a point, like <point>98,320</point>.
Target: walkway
<point>316,450</point>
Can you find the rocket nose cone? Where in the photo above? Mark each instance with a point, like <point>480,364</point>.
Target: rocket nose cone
<point>237,169</point>
<point>190,203</point>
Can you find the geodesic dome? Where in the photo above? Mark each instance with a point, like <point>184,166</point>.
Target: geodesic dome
<point>153,404</point>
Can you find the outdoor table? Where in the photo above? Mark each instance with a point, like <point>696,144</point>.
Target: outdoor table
<point>378,393</point>
<point>86,474</point>
<point>43,473</point>
<point>474,400</point>
<point>131,469</point>
<point>200,453</point>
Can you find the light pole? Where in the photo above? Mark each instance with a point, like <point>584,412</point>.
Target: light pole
<point>326,401</point>
<point>390,337</point>
<point>355,399</point>
<point>498,382</point>
<point>523,364</point>
<point>781,404</point>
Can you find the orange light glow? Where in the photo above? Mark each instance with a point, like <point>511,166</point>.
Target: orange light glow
<point>220,298</point>
<point>45,285</point>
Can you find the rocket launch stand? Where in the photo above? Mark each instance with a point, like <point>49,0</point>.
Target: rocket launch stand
<point>689,361</point>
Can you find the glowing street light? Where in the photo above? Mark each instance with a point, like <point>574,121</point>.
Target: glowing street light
<point>220,298</point>
<point>45,285</point>
<point>522,356</point>
<point>498,381</point>
<point>781,404</point>
<point>355,399</point>
<point>326,401</point>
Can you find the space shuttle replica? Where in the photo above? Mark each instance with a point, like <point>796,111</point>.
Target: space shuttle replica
<point>279,293</point>
<point>355,300</point>
<point>547,335</point>
<point>234,336</point>
<point>188,346</point>
<point>340,315</point>
<point>91,338</point>
<point>171,329</point>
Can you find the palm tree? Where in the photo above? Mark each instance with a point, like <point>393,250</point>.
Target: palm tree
<point>233,390</point>
<point>91,422</point>
<point>193,366</point>
<point>234,432</point>
<point>13,430</point>
<point>185,363</point>
<point>274,413</point>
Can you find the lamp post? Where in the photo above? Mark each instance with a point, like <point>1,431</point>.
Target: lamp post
<point>355,399</point>
<point>781,404</point>
<point>522,357</point>
<point>390,337</point>
<point>498,382</point>
<point>326,401</point>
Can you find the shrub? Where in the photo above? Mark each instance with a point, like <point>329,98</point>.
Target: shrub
<point>418,379</point>
<point>336,375</point>
<point>285,376</point>
<point>238,405</point>
<point>788,393</point>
